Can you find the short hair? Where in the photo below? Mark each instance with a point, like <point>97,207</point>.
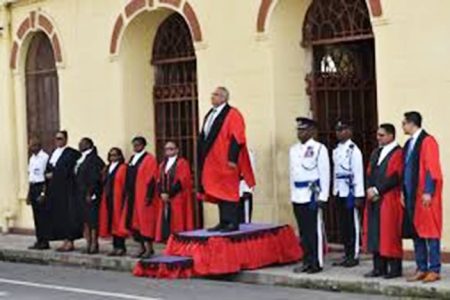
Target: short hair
<point>389,128</point>
<point>64,133</point>
<point>225,92</point>
<point>414,117</point>
<point>140,139</point>
<point>88,141</point>
<point>119,152</point>
<point>34,140</point>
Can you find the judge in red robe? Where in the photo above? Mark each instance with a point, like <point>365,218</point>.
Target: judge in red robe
<point>223,159</point>
<point>139,214</point>
<point>111,204</point>
<point>175,212</point>
<point>383,211</point>
<point>422,188</point>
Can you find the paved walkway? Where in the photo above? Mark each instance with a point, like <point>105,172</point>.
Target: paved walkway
<point>13,248</point>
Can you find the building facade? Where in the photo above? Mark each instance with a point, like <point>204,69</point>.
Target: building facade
<point>111,69</point>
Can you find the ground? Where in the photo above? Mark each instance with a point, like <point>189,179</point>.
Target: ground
<point>24,282</point>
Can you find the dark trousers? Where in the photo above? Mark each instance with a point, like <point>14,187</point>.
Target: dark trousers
<point>246,208</point>
<point>385,265</point>
<point>40,212</point>
<point>310,228</point>
<point>119,243</point>
<point>349,228</point>
<point>229,213</point>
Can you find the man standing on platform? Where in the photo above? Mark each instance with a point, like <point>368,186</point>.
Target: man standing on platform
<point>175,212</point>
<point>422,190</point>
<point>384,212</point>
<point>36,178</point>
<point>348,188</point>
<point>310,183</point>
<point>223,159</point>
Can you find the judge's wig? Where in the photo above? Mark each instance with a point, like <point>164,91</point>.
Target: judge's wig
<point>140,139</point>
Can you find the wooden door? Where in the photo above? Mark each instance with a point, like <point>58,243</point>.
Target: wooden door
<point>42,94</point>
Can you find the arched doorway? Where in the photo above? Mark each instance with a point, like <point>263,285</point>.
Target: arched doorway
<point>342,83</point>
<point>42,94</point>
<point>175,89</point>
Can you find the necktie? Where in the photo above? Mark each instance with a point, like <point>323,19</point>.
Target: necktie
<point>210,122</point>
<point>410,148</point>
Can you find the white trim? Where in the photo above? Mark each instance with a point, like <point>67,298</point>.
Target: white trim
<point>74,290</point>
<point>319,238</point>
<point>247,211</point>
<point>357,232</point>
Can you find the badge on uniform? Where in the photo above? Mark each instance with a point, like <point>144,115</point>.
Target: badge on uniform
<point>309,152</point>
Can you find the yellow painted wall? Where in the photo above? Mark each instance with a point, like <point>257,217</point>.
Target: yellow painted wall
<point>110,98</point>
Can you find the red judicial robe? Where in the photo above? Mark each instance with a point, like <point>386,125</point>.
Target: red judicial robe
<point>178,214</point>
<point>111,204</point>
<point>425,159</point>
<point>225,142</point>
<point>384,218</point>
<point>140,210</point>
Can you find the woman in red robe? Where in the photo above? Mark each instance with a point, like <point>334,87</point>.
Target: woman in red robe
<point>223,159</point>
<point>140,210</point>
<point>384,212</point>
<point>175,212</point>
<point>112,201</point>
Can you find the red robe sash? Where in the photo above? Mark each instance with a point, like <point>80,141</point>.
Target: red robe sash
<point>220,181</point>
<point>390,219</point>
<point>428,220</point>
<point>143,214</point>
<point>105,230</point>
<point>181,205</point>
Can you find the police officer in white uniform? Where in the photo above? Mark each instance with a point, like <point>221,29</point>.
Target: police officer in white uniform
<point>310,184</point>
<point>348,188</point>
<point>36,194</point>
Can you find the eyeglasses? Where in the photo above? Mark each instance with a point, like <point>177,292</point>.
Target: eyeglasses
<point>59,138</point>
<point>170,148</point>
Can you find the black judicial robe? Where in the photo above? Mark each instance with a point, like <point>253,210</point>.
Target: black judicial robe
<point>65,211</point>
<point>89,184</point>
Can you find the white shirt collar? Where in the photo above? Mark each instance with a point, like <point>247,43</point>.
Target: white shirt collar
<point>137,156</point>
<point>220,108</point>
<point>308,142</point>
<point>112,167</point>
<point>386,150</point>
<point>346,143</point>
<point>170,161</point>
<point>56,155</point>
<point>417,133</point>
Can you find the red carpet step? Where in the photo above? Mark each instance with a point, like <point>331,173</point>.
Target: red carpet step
<point>213,253</point>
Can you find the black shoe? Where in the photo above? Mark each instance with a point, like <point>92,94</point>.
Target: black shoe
<point>229,228</point>
<point>373,274</point>
<point>302,269</point>
<point>350,263</point>
<point>43,246</point>
<point>216,228</point>
<point>35,246</point>
<point>392,275</point>
<point>340,263</point>
<point>314,270</point>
